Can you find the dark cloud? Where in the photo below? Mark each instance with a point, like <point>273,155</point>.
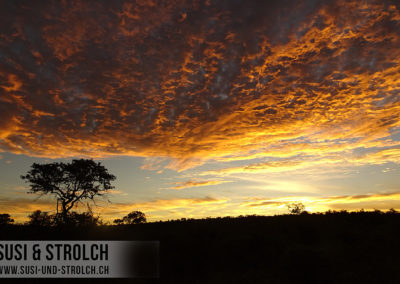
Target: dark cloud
<point>191,79</point>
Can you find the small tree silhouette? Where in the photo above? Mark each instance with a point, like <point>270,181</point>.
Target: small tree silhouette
<point>75,219</point>
<point>39,218</point>
<point>118,221</point>
<point>135,217</point>
<point>69,182</point>
<point>296,208</point>
<point>5,219</point>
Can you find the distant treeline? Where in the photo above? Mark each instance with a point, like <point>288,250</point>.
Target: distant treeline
<point>44,219</point>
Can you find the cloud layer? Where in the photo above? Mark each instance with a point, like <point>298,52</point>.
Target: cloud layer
<point>201,80</point>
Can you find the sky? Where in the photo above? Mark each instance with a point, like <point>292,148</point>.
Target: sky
<point>204,108</point>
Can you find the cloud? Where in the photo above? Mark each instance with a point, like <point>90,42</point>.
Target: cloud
<point>191,183</point>
<point>196,81</point>
<point>318,160</point>
<point>162,208</point>
<point>370,201</point>
<point>152,163</point>
<point>266,203</point>
<point>172,203</point>
<point>20,208</point>
<point>116,192</point>
<point>364,197</point>
<point>273,166</point>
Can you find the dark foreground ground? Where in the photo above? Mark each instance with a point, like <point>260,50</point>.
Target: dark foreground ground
<point>337,247</point>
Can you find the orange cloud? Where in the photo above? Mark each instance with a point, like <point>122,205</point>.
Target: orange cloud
<point>191,183</point>
<point>196,82</point>
<point>161,208</point>
<point>382,201</point>
<point>20,208</point>
<point>13,84</point>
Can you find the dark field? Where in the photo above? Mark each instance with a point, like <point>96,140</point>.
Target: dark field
<point>338,247</point>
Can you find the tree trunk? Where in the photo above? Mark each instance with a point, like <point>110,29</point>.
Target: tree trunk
<point>64,213</point>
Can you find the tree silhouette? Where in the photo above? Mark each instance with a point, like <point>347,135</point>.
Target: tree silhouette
<point>75,219</point>
<point>69,182</point>
<point>135,217</point>
<point>296,208</point>
<point>118,221</point>
<point>39,218</point>
<point>5,219</point>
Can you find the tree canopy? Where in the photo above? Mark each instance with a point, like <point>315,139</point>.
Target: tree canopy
<point>5,219</point>
<point>39,218</point>
<point>135,217</point>
<point>70,182</point>
<point>296,208</point>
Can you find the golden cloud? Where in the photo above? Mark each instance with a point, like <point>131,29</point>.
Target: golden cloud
<point>195,81</point>
<point>382,201</point>
<point>20,208</point>
<point>191,183</point>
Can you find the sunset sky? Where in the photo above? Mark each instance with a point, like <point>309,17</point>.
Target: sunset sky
<point>204,108</point>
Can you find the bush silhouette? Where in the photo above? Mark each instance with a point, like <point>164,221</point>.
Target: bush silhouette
<point>135,217</point>
<point>5,219</point>
<point>39,218</point>
<point>75,219</point>
<point>296,208</point>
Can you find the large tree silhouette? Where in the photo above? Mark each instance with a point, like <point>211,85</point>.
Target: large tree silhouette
<point>69,182</point>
